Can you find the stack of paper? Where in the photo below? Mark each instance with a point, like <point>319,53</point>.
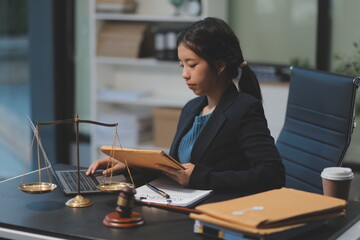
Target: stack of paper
<point>111,95</point>
<point>269,212</point>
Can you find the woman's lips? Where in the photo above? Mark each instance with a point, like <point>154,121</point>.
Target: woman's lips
<point>191,86</point>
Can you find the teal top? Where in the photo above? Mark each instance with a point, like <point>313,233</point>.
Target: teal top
<point>187,142</point>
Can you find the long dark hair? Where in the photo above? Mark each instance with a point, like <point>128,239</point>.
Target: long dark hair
<point>213,40</point>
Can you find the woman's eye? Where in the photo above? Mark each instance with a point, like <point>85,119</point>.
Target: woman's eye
<point>182,66</point>
<point>192,66</point>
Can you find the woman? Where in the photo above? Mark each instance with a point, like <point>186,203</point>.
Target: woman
<point>222,137</point>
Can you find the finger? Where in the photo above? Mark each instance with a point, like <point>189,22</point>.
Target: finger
<point>187,165</point>
<point>116,168</point>
<point>93,167</point>
<point>90,169</point>
<point>107,171</point>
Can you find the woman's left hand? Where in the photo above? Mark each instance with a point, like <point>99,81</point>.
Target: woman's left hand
<point>180,176</point>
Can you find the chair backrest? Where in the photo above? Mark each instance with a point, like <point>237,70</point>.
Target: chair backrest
<point>318,125</point>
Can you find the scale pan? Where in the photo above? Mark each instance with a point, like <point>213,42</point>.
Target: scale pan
<point>37,187</point>
<point>113,187</point>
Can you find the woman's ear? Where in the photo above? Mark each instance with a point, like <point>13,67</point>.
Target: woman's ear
<point>220,67</point>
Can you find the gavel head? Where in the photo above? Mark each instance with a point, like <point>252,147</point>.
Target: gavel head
<point>125,202</point>
<point>124,216</point>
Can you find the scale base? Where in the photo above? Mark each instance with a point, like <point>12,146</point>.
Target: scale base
<point>78,202</point>
<point>115,220</point>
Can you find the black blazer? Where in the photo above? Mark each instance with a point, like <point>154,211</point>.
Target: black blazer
<point>235,151</point>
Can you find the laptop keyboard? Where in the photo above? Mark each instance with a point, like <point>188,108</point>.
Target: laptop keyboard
<point>86,183</point>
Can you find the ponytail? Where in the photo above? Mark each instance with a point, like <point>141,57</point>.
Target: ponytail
<point>248,82</point>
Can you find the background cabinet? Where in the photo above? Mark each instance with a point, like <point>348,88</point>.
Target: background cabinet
<point>126,90</point>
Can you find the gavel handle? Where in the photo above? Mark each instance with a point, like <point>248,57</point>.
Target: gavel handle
<point>170,207</point>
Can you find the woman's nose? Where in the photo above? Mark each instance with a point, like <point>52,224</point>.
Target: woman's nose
<point>185,74</point>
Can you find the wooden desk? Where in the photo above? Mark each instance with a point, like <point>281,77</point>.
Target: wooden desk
<point>46,215</point>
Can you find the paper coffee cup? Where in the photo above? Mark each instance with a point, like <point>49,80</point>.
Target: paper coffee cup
<point>336,181</point>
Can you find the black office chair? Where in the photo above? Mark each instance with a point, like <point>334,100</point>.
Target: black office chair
<point>318,125</point>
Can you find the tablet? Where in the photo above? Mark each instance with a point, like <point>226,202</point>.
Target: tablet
<point>141,158</point>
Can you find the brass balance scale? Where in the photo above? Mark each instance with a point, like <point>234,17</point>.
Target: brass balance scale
<point>44,187</point>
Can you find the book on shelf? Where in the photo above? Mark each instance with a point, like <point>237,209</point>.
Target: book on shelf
<point>116,6</point>
<point>178,195</point>
<point>270,212</point>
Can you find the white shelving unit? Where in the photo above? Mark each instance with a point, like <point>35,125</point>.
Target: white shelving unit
<point>160,80</point>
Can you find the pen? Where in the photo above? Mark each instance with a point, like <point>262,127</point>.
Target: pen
<point>155,189</point>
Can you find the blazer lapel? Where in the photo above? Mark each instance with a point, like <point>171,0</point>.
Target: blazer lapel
<point>213,125</point>
<point>207,135</point>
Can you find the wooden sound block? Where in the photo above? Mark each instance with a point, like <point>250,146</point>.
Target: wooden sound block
<point>115,220</point>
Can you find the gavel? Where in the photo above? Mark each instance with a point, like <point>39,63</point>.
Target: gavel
<point>124,216</point>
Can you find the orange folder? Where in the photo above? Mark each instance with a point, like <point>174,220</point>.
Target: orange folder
<point>271,211</point>
<point>141,158</point>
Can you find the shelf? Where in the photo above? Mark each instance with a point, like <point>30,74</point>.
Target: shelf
<point>144,18</point>
<point>151,101</point>
<point>136,61</point>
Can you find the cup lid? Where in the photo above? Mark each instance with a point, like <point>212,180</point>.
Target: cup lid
<point>337,173</point>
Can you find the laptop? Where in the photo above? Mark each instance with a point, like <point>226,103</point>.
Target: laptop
<point>67,179</point>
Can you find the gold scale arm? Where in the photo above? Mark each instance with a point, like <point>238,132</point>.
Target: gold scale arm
<point>77,201</point>
<point>76,121</point>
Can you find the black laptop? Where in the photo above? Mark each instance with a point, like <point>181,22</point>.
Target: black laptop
<point>67,179</point>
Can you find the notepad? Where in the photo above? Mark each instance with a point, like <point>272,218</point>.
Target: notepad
<point>179,196</point>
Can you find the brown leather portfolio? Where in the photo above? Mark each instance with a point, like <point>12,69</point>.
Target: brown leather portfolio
<point>141,158</point>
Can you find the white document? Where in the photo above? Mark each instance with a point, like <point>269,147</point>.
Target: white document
<point>179,196</point>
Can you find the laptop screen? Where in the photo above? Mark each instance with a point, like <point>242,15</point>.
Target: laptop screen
<point>41,146</point>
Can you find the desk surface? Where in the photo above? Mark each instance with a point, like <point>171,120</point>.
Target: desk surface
<point>47,214</point>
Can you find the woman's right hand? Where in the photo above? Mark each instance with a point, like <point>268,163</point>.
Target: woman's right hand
<point>107,163</point>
